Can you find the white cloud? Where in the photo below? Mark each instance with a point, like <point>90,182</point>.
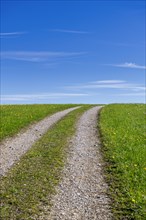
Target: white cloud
<point>132,94</point>
<point>37,56</point>
<point>46,96</point>
<point>109,84</point>
<point>10,34</point>
<point>129,65</point>
<point>69,31</point>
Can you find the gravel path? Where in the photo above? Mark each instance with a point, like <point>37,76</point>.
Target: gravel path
<point>81,194</point>
<point>13,148</point>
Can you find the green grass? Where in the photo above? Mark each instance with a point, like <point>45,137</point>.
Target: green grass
<point>123,136</point>
<point>30,183</point>
<point>15,117</point>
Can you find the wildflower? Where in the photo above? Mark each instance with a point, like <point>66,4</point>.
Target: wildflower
<point>135,165</point>
<point>133,200</point>
<point>144,168</point>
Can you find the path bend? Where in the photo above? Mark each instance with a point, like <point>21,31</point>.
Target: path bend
<point>82,193</point>
<point>13,148</point>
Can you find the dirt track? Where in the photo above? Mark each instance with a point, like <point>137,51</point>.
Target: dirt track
<point>13,148</point>
<point>81,195</point>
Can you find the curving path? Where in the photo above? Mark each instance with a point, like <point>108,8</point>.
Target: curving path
<point>13,148</point>
<point>82,193</point>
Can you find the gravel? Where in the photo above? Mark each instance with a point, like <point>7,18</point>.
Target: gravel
<point>13,148</point>
<point>82,192</point>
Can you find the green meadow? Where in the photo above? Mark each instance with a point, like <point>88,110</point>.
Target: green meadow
<point>32,180</point>
<point>16,117</point>
<point>123,135</point>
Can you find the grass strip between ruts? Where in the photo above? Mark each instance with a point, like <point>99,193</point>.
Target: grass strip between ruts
<point>30,183</point>
<point>15,117</point>
<point>123,136</point>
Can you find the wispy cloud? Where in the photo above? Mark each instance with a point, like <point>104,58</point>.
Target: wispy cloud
<point>37,97</point>
<point>38,56</point>
<point>131,94</point>
<point>128,65</point>
<point>69,31</point>
<point>109,84</point>
<point>11,34</point>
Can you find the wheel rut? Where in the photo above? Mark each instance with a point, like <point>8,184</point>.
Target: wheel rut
<point>82,192</point>
<point>13,148</point>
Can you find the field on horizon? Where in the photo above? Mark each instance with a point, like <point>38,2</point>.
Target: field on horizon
<point>16,117</point>
<point>32,180</point>
<point>123,141</point>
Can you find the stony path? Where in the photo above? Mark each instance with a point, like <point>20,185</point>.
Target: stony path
<point>13,148</point>
<point>81,194</point>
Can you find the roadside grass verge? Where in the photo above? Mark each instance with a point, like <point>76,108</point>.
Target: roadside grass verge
<point>123,135</point>
<point>31,182</point>
<point>15,117</point>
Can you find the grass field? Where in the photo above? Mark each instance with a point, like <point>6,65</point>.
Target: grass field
<point>123,132</point>
<point>30,183</point>
<point>16,117</point>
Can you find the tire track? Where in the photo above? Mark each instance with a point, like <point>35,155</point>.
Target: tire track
<point>82,193</point>
<point>13,148</point>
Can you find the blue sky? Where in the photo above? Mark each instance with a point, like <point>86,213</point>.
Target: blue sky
<point>72,51</point>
